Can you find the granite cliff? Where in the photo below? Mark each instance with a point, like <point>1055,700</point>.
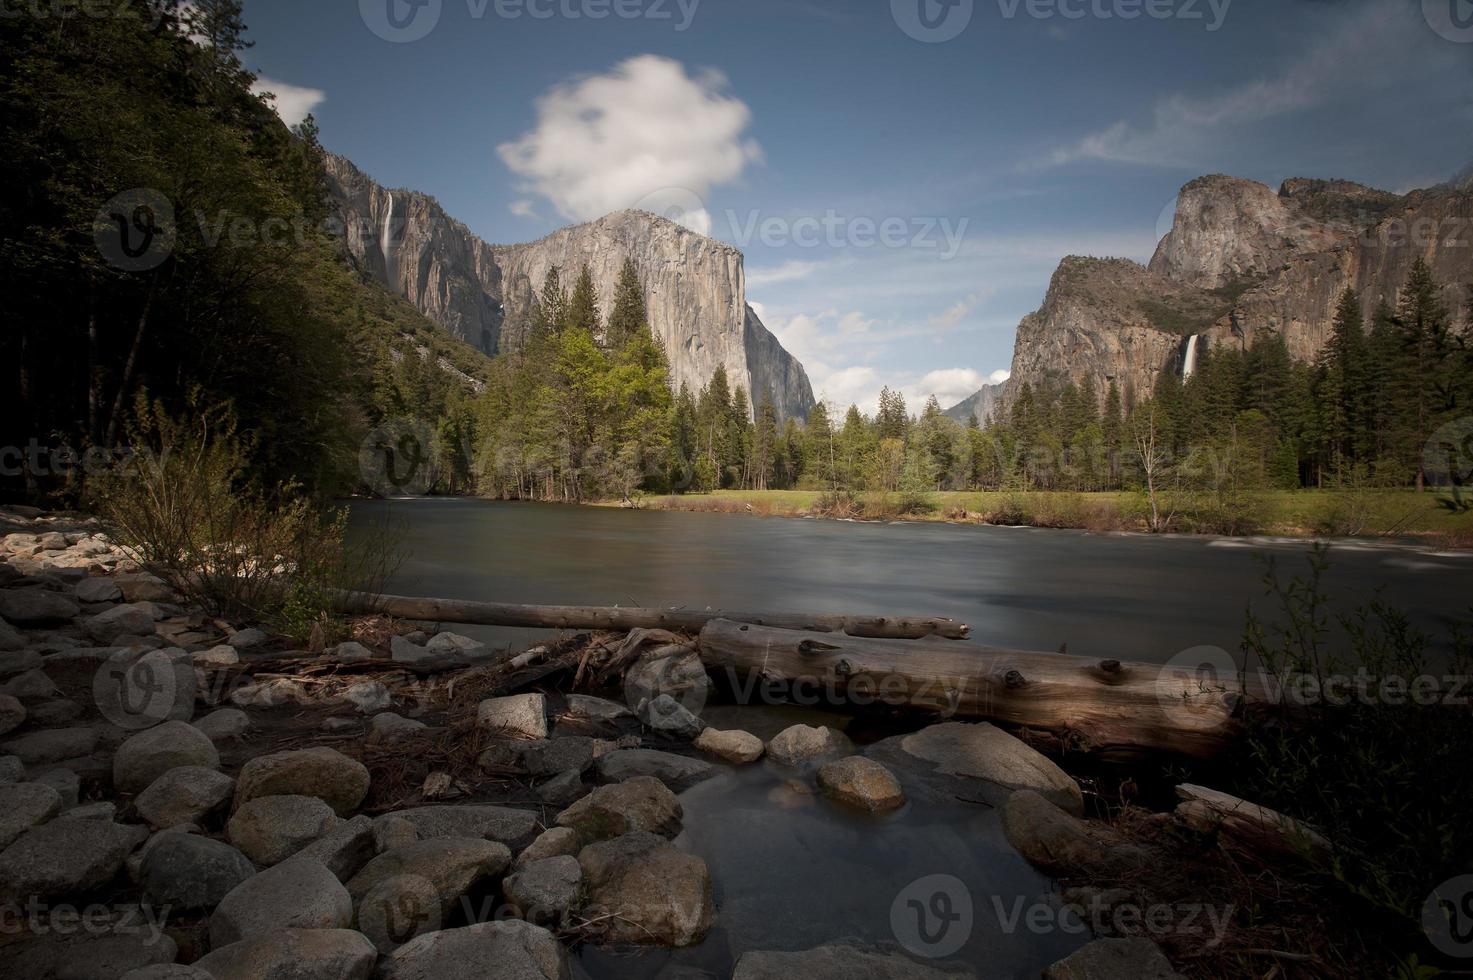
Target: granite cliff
<point>485,294</point>
<point>1240,260</point>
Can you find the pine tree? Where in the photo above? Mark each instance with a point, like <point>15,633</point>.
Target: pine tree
<point>582,310</point>
<point>552,308</point>
<point>1425,380</point>
<point>1342,387</point>
<point>820,451</point>
<point>892,419</point>
<point>628,315</point>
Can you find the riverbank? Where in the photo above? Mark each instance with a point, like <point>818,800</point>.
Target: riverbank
<point>1301,513</point>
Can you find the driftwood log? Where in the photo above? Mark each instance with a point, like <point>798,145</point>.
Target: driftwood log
<point>1109,708</point>
<point>1255,829</point>
<point>622,619</point>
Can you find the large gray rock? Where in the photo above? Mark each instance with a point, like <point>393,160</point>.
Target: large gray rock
<point>294,954</point>
<point>982,751</point>
<point>553,842</point>
<point>651,891</point>
<point>497,823</point>
<point>558,755</point>
<point>668,716</point>
<point>562,789</point>
<point>836,962</point>
<point>1059,843</point>
<point>107,957</point>
<point>149,754</point>
<point>37,607</point>
<point>270,829</point>
<point>62,858</point>
<point>731,746</point>
<point>806,743</point>
<point>183,795</point>
<point>12,714</point>
<point>224,723</point>
<point>23,806</point>
<point>133,619</point>
<point>293,895</point>
<point>1136,958</point>
<point>325,773</point>
<point>456,647</point>
<point>190,872</point>
<point>139,688</point>
<point>451,866</point>
<point>344,850</point>
<point>675,672</point>
<point>861,783</point>
<point>33,685</point>
<point>53,745</point>
<point>674,770</point>
<point>545,891</point>
<point>519,714</point>
<point>642,803</point>
<point>485,951</point>
<point>248,639</point>
<point>695,285</point>
<point>96,589</point>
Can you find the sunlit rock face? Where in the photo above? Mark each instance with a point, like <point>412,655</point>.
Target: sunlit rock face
<point>695,287</point>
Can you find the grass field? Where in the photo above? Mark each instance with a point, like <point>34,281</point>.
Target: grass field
<point>1377,513</point>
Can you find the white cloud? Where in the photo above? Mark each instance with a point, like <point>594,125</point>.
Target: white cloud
<point>645,134</point>
<point>525,209</point>
<point>999,376</point>
<point>787,272</point>
<point>949,385</point>
<point>958,311</point>
<point>292,103</point>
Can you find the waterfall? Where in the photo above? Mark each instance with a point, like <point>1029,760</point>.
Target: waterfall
<point>1189,359</point>
<point>385,241</point>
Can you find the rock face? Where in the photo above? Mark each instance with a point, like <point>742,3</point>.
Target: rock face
<point>1241,260</point>
<point>695,287</point>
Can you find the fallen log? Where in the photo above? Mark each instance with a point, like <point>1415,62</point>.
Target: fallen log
<point>621,619</point>
<point>1256,829</point>
<point>1109,708</point>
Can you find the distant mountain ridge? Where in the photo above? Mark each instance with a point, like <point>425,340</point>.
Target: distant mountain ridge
<point>1240,260</point>
<point>486,294</point>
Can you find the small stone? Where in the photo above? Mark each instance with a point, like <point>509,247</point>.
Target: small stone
<point>389,726</point>
<point>1136,958</point>
<point>731,746</point>
<point>23,806</point>
<point>97,589</point>
<point>455,646</point>
<point>985,752</point>
<point>101,810</point>
<point>368,696</point>
<point>53,745</point>
<point>143,588</point>
<point>224,723</point>
<point>642,803</point>
<point>182,795</point>
<point>553,842</point>
<point>497,823</point>
<point>223,655</point>
<point>557,755</point>
<point>33,685</point>
<point>502,757</point>
<point>12,714</point>
<point>562,789</point>
<point>651,891</point>
<point>294,954</point>
<point>452,867</point>
<point>676,771</point>
<point>486,950</point>
<point>336,725</point>
<point>350,653</point>
<point>544,892</point>
<point>190,872</point>
<point>805,743</point>
<point>520,714</point>
<point>132,619</point>
<point>151,753</point>
<point>293,895</point>
<point>861,783</point>
<point>270,829</point>
<point>596,709</point>
<point>248,639</point>
<point>325,773</point>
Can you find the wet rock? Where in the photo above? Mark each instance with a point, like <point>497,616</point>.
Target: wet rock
<point>677,771</point>
<point>983,751</point>
<point>558,755</point>
<point>642,803</point>
<point>666,715</point>
<point>451,866</point>
<point>836,962</point>
<point>38,607</point>
<point>23,806</point>
<point>480,952</point>
<point>293,895</point>
<point>504,825</point>
<point>731,746</point>
<point>106,957</point>
<point>861,783</point>
<point>62,857</point>
<point>270,829</point>
<point>190,872</point>
<point>97,589</point>
<point>52,746</point>
<point>596,709</point>
<point>520,714</point>
<point>562,789</point>
<point>294,954</point>
<point>149,754</point>
<point>344,850</point>
<point>131,619</point>
<point>805,743</point>
<point>325,773</point>
<point>553,842</point>
<point>248,639</point>
<point>1108,959</point>
<point>653,891</point>
<point>1059,843</point>
<point>12,714</point>
<point>224,723</point>
<point>186,794</point>
<point>33,685</point>
<point>544,892</point>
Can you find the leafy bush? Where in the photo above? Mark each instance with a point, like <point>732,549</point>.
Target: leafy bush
<point>180,503</point>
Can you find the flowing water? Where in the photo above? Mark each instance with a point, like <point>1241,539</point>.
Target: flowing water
<point>792,870</point>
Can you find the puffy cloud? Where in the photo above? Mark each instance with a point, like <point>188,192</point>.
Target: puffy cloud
<point>646,134</point>
<point>787,272</point>
<point>999,376</point>
<point>292,103</point>
<point>524,209</point>
<point>949,385</point>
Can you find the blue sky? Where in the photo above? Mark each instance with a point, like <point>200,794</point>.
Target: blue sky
<point>902,196</point>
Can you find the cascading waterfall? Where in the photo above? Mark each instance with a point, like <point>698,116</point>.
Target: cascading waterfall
<point>1189,359</point>
<point>386,240</point>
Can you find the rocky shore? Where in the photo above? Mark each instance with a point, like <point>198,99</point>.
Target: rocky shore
<point>184,797</point>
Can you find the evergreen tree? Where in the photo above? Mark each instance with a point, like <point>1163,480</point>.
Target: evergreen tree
<point>552,308</point>
<point>628,316</point>
<point>582,310</point>
<point>892,420</point>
